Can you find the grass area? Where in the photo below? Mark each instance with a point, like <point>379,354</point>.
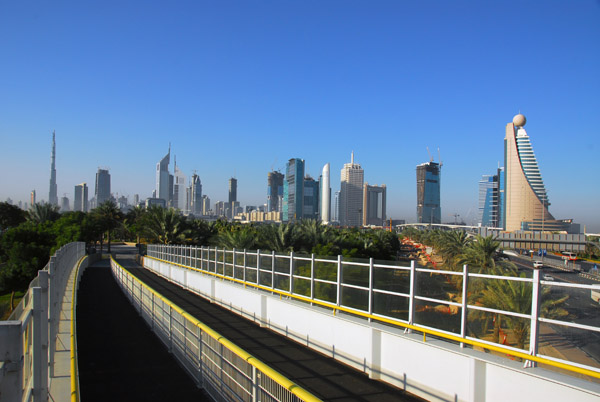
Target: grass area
<point>5,308</point>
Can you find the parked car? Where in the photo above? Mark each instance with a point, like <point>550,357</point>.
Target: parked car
<point>538,264</point>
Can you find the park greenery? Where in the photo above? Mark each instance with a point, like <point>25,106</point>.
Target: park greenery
<point>28,238</point>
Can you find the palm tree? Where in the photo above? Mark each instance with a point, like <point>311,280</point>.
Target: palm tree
<point>43,212</point>
<point>517,297</point>
<point>452,245</point>
<point>280,238</point>
<point>241,238</point>
<point>165,226</point>
<point>481,253</point>
<point>109,217</point>
<point>134,219</point>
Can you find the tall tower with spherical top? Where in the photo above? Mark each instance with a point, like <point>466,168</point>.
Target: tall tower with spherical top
<point>526,199</point>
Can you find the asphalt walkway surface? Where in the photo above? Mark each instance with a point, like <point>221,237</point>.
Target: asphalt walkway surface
<point>117,349</point>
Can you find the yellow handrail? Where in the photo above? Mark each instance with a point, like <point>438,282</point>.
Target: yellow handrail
<point>428,331</point>
<point>264,368</point>
<point>74,363</point>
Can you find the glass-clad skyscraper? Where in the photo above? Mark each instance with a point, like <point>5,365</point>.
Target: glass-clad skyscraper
<point>293,190</point>
<point>489,201</point>
<point>102,186</point>
<point>274,191</point>
<point>428,193</point>
<point>311,198</point>
<point>164,184</point>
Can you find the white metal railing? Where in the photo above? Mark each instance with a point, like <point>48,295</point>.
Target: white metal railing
<point>27,339</point>
<point>378,290</point>
<point>217,365</point>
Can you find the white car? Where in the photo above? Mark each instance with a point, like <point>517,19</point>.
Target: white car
<point>547,278</point>
<point>538,264</point>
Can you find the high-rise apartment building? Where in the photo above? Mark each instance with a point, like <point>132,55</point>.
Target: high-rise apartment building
<point>428,193</point>
<point>232,190</point>
<point>64,204</point>
<point>163,180</point>
<point>80,199</point>
<point>325,208</point>
<point>293,190</point>
<point>351,194</point>
<point>32,198</point>
<point>491,200</point>
<point>526,198</point>
<point>102,186</point>
<point>136,200</point>
<point>274,191</point>
<point>311,199</point>
<point>195,195</point>
<point>52,196</point>
<point>179,199</point>
<point>205,205</point>
<point>336,207</point>
<point>374,200</point>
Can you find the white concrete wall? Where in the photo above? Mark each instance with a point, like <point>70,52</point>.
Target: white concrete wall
<point>435,370</point>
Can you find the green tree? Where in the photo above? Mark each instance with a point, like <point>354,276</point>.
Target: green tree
<point>516,296</point>
<point>43,212</point>
<point>165,226</point>
<point>481,253</point>
<point>134,221</point>
<point>24,250</point>
<point>279,238</point>
<point>243,237</point>
<point>109,217</point>
<point>10,216</point>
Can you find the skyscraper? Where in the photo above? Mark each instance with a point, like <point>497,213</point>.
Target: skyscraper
<point>32,200</point>
<point>205,205</point>
<point>351,194</point>
<point>53,197</point>
<point>526,198</point>
<point>195,195</point>
<point>491,196</point>
<point>232,190</point>
<point>325,195</point>
<point>293,190</point>
<point>311,199</point>
<point>336,206</point>
<point>162,178</point>
<point>64,204</point>
<point>274,191</point>
<point>428,193</point>
<point>102,186</point>
<point>80,200</point>
<point>374,200</point>
<point>179,189</point>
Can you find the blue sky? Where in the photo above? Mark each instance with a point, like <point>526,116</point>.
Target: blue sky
<point>240,87</point>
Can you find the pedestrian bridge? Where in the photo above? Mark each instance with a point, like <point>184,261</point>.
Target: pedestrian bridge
<point>342,310</point>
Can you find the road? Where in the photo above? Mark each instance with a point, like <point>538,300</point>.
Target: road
<point>582,309</point>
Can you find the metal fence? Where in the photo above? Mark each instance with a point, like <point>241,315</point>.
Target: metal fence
<point>27,339</point>
<point>457,306</point>
<point>225,371</point>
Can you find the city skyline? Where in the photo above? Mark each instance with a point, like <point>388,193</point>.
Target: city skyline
<point>301,81</point>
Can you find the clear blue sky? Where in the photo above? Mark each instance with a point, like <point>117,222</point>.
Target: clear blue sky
<point>239,87</point>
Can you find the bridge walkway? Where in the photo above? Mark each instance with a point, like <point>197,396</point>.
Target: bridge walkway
<point>321,375</point>
<point>120,359</point>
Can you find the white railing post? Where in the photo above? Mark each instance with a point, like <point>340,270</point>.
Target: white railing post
<point>258,267</point>
<point>245,266</point>
<point>535,307</point>
<point>465,302</point>
<point>371,273</point>
<point>52,316</point>
<point>43,282</point>
<point>255,384</point>
<point>312,276</point>
<point>339,281</point>
<point>291,272</point>
<point>36,345</point>
<point>411,300</point>
<point>233,262</point>
<point>272,269</point>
